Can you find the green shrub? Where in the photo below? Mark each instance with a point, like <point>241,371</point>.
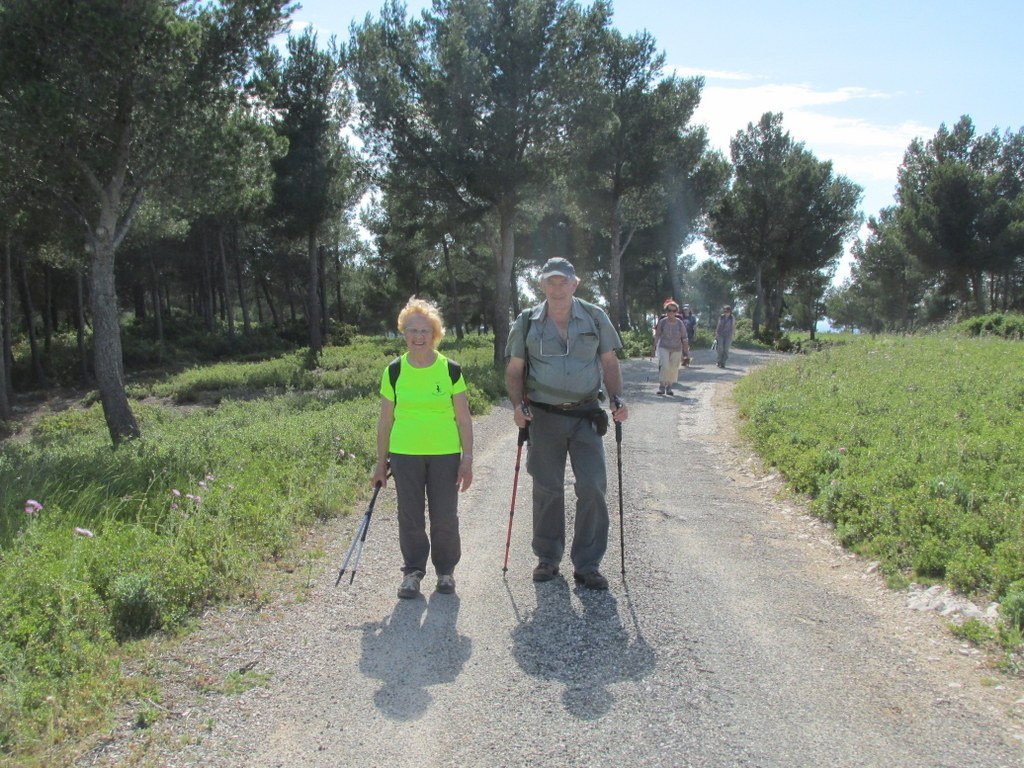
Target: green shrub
<point>1012,606</point>
<point>1007,326</point>
<point>134,609</point>
<point>974,631</point>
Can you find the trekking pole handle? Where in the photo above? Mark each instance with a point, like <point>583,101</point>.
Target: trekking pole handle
<point>524,435</point>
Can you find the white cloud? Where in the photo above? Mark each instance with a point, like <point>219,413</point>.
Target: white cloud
<point>834,124</point>
<point>713,74</point>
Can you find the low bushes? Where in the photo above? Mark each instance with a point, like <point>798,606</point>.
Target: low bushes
<point>913,447</point>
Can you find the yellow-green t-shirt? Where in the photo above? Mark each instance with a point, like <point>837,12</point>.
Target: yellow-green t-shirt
<point>424,413</point>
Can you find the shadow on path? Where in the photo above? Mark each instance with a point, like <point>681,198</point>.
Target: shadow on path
<point>582,645</point>
<point>416,647</point>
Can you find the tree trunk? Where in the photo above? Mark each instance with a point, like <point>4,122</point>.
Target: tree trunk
<point>158,313</point>
<point>6,302</point>
<point>106,337</point>
<point>453,288</point>
<point>270,302</point>
<point>676,282</point>
<point>229,309</point>
<point>207,295</point>
<point>83,356</point>
<point>256,298</point>
<point>978,290</point>
<point>758,299</point>
<point>615,301</point>
<point>47,310</point>
<point>243,302</point>
<point>321,285</point>
<point>5,401</point>
<point>139,299</point>
<point>313,295</point>
<point>504,253</point>
<point>30,326</point>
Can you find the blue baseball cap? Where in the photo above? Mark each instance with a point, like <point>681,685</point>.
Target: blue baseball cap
<point>558,266</point>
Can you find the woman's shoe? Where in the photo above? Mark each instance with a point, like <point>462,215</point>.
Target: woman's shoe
<point>410,585</point>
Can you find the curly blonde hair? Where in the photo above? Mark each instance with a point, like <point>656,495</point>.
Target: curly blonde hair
<point>421,307</point>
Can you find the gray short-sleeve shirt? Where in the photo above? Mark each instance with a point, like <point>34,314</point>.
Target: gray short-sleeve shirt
<point>561,372</point>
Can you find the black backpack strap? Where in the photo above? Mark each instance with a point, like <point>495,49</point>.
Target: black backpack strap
<point>454,371</point>
<point>394,369</point>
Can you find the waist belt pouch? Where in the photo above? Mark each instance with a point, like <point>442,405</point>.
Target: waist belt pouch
<point>599,419</point>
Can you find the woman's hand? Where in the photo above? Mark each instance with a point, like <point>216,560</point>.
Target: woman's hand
<point>465,477</point>
<point>380,475</point>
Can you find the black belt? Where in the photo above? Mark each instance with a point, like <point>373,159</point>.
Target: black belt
<point>564,406</point>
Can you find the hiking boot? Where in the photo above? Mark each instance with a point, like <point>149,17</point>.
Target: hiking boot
<point>545,572</point>
<point>411,585</point>
<point>661,391</point>
<point>669,391</point>
<point>446,584</point>
<point>591,580</point>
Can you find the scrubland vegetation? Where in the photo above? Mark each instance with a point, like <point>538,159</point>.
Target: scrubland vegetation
<point>913,447</point>
<point>100,547</point>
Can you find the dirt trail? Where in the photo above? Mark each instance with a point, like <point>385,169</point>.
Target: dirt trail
<point>741,635</point>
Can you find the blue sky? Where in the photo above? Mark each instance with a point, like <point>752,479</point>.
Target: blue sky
<point>855,81</point>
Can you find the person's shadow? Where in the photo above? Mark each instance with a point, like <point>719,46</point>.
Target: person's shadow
<point>586,650</point>
<point>416,647</point>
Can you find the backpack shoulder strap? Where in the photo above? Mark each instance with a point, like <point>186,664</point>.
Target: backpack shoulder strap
<point>454,371</point>
<point>592,310</point>
<point>394,369</point>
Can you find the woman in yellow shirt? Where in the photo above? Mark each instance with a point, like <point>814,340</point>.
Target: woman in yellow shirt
<point>425,433</point>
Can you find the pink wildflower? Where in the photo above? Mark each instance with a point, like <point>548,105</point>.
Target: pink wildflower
<point>202,484</point>
<point>32,507</point>
<point>175,492</point>
<point>842,450</point>
<point>84,532</point>
<point>197,499</point>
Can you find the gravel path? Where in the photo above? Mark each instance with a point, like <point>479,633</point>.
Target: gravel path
<point>741,635</point>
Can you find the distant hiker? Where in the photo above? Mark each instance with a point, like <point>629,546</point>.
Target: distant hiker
<point>690,321</point>
<point>723,334</point>
<point>670,346</point>
<point>426,430</point>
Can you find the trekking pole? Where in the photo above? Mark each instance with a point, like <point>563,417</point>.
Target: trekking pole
<point>359,540</point>
<point>618,449</point>
<point>524,436</point>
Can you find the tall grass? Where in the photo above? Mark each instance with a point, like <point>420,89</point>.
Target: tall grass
<point>913,447</point>
<point>140,538</point>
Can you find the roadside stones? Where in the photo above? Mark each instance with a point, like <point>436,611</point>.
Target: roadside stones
<point>948,603</point>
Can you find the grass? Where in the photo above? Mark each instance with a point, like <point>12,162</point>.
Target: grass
<point>913,448</point>
<point>127,542</point>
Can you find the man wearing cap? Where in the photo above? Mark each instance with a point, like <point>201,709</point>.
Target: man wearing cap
<point>690,321</point>
<point>559,352</point>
